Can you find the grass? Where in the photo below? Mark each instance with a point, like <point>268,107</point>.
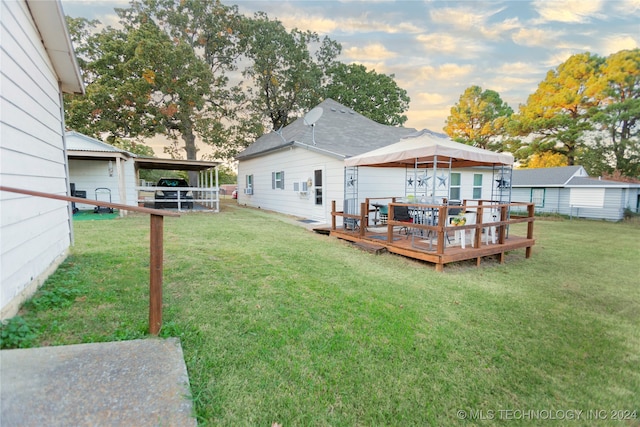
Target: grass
<point>279,325</point>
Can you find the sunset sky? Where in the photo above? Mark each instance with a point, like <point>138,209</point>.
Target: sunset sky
<point>436,49</point>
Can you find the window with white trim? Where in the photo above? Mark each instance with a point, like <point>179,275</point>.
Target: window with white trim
<point>537,197</point>
<point>454,189</point>
<point>477,186</point>
<point>277,180</point>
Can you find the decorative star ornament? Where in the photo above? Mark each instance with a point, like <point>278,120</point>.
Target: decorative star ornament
<point>410,182</point>
<point>351,181</point>
<point>442,181</point>
<point>423,180</point>
<point>503,183</point>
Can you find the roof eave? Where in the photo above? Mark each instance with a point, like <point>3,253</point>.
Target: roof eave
<point>50,21</point>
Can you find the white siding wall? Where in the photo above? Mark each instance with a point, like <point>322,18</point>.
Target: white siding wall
<point>558,200</point>
<point>88,175</point>
<point>35,232</point>
<point>298,164</point>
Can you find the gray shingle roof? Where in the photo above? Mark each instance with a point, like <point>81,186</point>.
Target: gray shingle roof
<point>595,182</point>
<point>545,177</point>
<point>339,132</point>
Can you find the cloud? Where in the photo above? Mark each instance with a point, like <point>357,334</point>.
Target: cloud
<point>370,52</point>
<point>536,37</point>
<point>460,47</point>
<point>446,71</point>
<point>617,43</point>
<point>569,11</point>
<point>431,98</point>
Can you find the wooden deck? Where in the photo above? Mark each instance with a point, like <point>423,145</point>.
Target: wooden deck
<point>437,244</point>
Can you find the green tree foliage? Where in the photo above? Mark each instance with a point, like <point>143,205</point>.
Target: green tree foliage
<point>287,78</point>
<point>166,72</point>
<point>157,75</point>
<point>376,96</point>
<point>618,89</point>
<point>479,118</point>
<point>558,113</point>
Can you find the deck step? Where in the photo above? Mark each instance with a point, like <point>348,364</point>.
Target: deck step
<point>372,248</point>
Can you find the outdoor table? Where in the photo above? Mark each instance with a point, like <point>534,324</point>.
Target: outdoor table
<point>377,207</point>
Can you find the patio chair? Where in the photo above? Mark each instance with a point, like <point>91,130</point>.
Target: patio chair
<point>401,213</point>
<point>384,214</point>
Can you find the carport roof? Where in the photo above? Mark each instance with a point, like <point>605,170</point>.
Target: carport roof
<point>173,164</point>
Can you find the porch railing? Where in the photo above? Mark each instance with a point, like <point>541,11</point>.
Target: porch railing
<point>155,246</point>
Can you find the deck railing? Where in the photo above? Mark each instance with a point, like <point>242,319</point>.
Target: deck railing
<point>155,246</point>
<point>431,222</point>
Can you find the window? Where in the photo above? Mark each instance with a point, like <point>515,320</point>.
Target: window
<point>248,185</point>
<point>317,175</point>
<point>537,197</point>
<point>277,180</point>
<point>454,189</point>
<point>477,186</point>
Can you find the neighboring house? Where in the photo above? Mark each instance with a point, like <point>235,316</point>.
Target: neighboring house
<point>95,166</point>
<point>300,169</point>
<point>37,64</point>
<point>570,191</point>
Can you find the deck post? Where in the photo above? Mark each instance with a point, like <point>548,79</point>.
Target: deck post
<point>503,228</point>
<point>364,219</point>
<point>333,214</point>
<point>441,224</point>
<point>390,219</point>
<point>155,274</point>
<point>531,213</point>
<point>478,237</point>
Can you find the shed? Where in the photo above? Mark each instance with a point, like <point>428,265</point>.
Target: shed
<point>37,64</point>
<point>95,165</point>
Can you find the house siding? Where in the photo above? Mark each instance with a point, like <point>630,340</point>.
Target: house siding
<point>35,231</point>
<point>299,164</point>
<point>557,201</point>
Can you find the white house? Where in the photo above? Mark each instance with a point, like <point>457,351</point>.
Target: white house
<point>570,191</point>
<point>95,167</point>
<point>301,169</point>
<point>38,64</point>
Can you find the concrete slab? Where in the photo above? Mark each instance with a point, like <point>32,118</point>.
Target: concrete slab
<point>125,383</point>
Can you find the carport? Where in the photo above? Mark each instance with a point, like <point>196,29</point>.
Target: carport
<point>206,192</point>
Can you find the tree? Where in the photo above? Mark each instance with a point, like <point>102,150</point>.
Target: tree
<point>618,89</point>
<point>479,118</point>
<point>161,74</point>
<point>546,160</point>
<point>559,112</point>
<point>376,96</point>
<point>287,78</point>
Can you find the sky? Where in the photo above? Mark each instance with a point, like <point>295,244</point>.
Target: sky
<point>436,49</point>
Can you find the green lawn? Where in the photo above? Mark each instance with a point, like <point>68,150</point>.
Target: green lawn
<point>280,325</point>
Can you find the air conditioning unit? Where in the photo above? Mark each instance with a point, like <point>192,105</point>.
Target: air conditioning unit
<point>248,191</point>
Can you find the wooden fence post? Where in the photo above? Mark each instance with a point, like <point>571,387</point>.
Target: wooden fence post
<point>155,274</point>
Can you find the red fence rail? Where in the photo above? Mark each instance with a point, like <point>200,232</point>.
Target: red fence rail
<point>155,246</point>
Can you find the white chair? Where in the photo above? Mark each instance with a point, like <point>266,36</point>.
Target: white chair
<point>470,219</point>
<point>489,216</point>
